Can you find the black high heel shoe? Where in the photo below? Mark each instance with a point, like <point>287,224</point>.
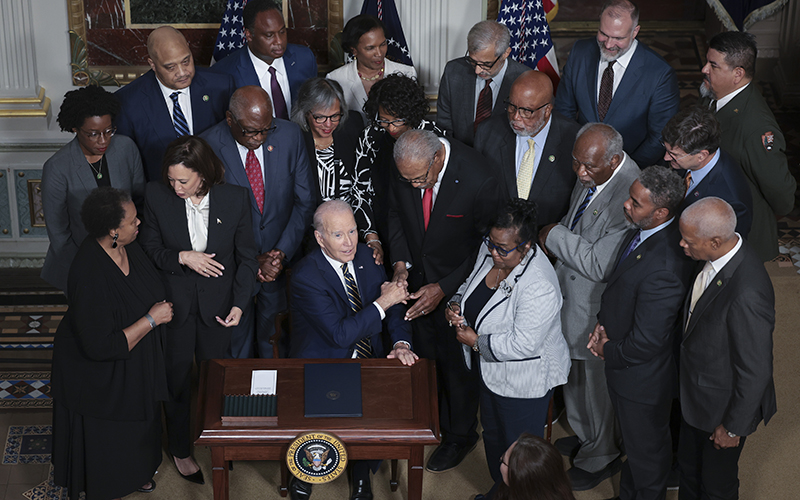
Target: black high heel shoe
<point>196,477</point>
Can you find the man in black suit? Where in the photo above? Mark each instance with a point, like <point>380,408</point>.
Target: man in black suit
<point>172,100</point>
<point>530,148</point>
<point>440,207</point>
<point>474,87</point>
<point>637,325</point>
<point>726,354</point>
<point>691,139</point>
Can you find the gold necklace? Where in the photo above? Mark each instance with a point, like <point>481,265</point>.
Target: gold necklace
<point>98,172</point>
<point>372,78</point>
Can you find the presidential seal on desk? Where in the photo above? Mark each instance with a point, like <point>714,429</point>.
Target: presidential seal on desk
<point>316,457</point>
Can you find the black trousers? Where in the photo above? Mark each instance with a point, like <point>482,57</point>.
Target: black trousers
<point>193,339</point>
<point>648,444</point>
<point>458,387</point>
<point>707,472</point>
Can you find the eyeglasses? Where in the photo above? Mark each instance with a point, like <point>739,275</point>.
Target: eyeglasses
<point>94,135</point>
<point>524,113</point>
<point>335,118</point>
<point>482,65</point>
<point>253,133</point>
<point>502,252</point>
<point>587,166</point>
<point>393,123</point>
<point>422,179</point>
<point>672,155</point>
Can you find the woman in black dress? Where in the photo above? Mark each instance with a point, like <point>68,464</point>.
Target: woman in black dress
<point>331,134</point>
<point>108,362</point>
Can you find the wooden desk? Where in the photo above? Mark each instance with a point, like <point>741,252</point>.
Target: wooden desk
<point>400,410</point>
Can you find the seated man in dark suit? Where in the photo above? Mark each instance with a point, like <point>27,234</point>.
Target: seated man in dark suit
<point>474,87</point>
<point>530,147</point>
<point>172,100</point>
<point>268,60</point>
<point>726,380</point>
<point>268,156</point>
<point>340,302</point>
<point>618,80</point>
<point>638,322</point>
<point>691,139</point>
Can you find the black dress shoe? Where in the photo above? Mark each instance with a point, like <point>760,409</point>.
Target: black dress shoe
<point>196,477</point>
<point>583,480</point>
<point>362,490</point>
<point>299,490</point>
<point>447,456</point>
<point>152,487</point>
<point>568,446</point>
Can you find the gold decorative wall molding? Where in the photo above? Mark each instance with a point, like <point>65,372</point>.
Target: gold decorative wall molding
<point>38,106</point>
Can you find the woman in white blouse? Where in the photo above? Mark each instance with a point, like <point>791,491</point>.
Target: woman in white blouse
<point>363,37</point>
<point>198,233</point>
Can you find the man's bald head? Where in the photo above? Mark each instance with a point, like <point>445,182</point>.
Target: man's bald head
<point>530,103</point>
<point>708,228</point>
<point>249,116</point>
<point>170,58</point>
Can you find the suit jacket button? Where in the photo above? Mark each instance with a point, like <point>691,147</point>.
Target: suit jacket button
<point>261,227</point>
<point>572,277</point>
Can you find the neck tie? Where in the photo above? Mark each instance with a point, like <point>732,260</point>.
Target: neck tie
<point>363,346</point>
<point>178,118</point>
<point>427,206</point>
<point>525,175</point>
<point>278,103</point>
<point>631,247</point>
<point>582,208</point>
<point>606,91</point>
<point>484,108</point>
<point>687,180</point>
<point>253,169</point>
<point>700,284</point>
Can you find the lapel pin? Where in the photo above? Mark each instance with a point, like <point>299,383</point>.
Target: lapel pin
<point>696,194</point>
<point>595,212</point>
<point>456,181</point>
<point>219,221</point>
<point>361,267</point>
<point>736,110</point>
<point>552,158</point>
<point>638,256</point>
<point>719,282</point>
<point>270,148</point>
<point>205,98</point>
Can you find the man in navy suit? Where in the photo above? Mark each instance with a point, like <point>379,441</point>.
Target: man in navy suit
<point>691,139</point>
<point>268,60</point>
<point>638,323</point>
<point>619,81</point>
<point>268,156</point>
<point>172,100</point>
<point>340,302</point>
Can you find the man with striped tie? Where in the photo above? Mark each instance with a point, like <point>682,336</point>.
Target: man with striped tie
<point>172,100</point>
<point>586,242</point>
<point>340,302</point>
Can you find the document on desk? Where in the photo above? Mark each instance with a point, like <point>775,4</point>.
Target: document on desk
<point>264,382</point>
<point>333,390</point>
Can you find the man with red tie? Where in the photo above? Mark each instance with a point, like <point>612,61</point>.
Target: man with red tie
<point>440,206</point>
<point>266,155</point>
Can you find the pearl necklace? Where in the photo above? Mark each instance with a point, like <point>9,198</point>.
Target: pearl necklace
<point>372,78</point>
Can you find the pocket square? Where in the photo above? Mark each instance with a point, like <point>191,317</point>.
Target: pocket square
<point>455,216</point>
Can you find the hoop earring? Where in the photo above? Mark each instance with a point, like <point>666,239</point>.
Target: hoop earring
<point>114,243</point>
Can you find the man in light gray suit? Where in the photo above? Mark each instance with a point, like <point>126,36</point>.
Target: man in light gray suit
<point>586,243</point>
<point>482,77</point>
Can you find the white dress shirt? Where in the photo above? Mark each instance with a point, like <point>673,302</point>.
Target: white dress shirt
<point>259,156</point>
<point>184,99</point>
<point>725,100</point>
<point>265,79</point>
<point>522,147</point>
<point>718,264</point>
<point>619,66</point>
<point>497,82</point>
<point>197,221</point>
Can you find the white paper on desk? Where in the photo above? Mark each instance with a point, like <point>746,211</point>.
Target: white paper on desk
<point>264,382</point>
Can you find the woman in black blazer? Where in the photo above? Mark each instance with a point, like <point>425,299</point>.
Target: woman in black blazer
<point>331,134</point>
<point>198,233</point>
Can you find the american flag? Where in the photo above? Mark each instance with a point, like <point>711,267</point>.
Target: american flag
<point>231,30</point>
<point>386,11</point>
<point>531,44</point>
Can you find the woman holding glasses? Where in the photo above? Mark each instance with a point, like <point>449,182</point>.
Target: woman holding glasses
<point>94,158</point>
<point>331,135</point>
<point>507,315</point>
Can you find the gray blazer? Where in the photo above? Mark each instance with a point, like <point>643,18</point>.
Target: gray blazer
<point>66,181</point>
<point>586,256</point>
<point>523,353</point>
<point>456,104</point>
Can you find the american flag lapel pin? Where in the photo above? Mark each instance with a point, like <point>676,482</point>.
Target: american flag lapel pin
<point>219,221</point>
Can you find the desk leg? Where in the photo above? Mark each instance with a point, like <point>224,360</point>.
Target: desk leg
<point>219,471</point>
<point>283,489</point>
<point>415,470</point>
<point>393,481</point>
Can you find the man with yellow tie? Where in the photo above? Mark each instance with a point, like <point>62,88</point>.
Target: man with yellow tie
<point>530,149</point>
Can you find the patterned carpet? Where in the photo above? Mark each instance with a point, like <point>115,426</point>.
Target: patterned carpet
<point>25,390</point>
<point>26,333</point>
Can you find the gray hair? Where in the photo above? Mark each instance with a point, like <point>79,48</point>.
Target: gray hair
<point>416,146</point>
<point>665,185</point>
<point>622,6</point>
<point>318,93</point>
<point>613,139</point>
<point>329,207</point>
<point>486,34</point>
<point>712,217</point>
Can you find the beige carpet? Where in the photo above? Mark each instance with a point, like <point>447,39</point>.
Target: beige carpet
<point>768,467</point>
